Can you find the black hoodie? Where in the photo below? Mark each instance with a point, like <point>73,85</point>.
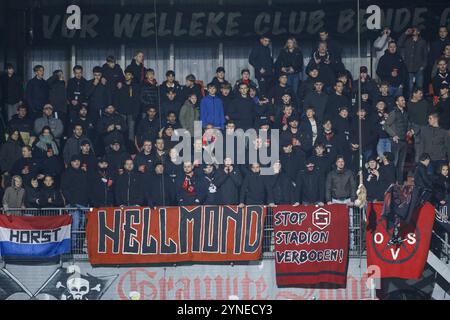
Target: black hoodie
<point>388,62</point>
<point>310,186</point>
<point>74,186</point>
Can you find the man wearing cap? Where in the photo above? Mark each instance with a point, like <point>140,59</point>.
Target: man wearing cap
<point>98,95</point>
<point>219,79</point>
<point>367,83</point>
<point>211,109</point>
<point>261,59</point>
<point>129,188</point>
<point>111,126</point>
<point>49,120</point>
<point>443,106</point>
<point>73,144</point>
<point>100,186</point>
<point>74,186</point>
<point>310,185</point>
<point>116,155</point>
<point>128,102</point>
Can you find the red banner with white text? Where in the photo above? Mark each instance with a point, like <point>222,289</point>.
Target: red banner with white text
<point>311,245</point>
<point>406,257</point>
<point>139,235</point>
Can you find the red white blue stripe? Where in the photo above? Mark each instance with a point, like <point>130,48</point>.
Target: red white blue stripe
<point>35,236</point>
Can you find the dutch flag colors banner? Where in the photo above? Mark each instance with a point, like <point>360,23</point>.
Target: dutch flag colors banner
<point>35,236</point>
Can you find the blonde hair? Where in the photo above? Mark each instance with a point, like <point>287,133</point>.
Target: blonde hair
<point>294,41</point>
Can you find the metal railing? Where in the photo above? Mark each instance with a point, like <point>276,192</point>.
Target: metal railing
<point>79,245</point>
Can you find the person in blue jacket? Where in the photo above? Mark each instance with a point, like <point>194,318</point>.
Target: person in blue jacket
<point>211,109</point>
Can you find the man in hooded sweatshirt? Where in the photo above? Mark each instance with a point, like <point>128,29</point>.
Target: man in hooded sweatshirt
<point>211,109</point>
<point>310,185</point>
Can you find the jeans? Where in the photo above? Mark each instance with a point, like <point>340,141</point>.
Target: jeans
<point>384,145</point>
<point>399,150</point>
<point>367,154</point>
<point>418,77</point>
<point>78,227</point>
<point>293,81</point>
<point>350,221</point>
<point>131,121</point>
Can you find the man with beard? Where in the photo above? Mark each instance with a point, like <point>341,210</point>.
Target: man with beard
<point>190,188</point>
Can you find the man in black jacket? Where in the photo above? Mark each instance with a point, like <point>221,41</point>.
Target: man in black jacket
<point>144,159</point>
<point>148,128</point>
<point>261,59</point>
<point>112,73</point>
<point>50,196</point>
<point>23,123</point>
<point>127,100</point>
<point>37,92</point>
<point>129,189</point>
<point>116,156</point>
<point>100,185</point>
<point>98,95</point>
<point>422,179</point>
<point>255,189</point>
<point>392,68</point>
<point>230,183</point>
<point>190,188</point>
<point>58,94</point>
<point>310,185</point>
<point>137,67</point>
<point>160,188</point>
<point>170,84</point>
<point>281,186</point>
<point>336,100</point>
<point>244,112</point>
<point>111,126</point>
<point>149,90</point>
<point>76,90</point>
<point>12,88</point>
<point>74,186</point>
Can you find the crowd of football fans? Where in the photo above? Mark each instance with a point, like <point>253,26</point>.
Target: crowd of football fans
<point>108,140</point>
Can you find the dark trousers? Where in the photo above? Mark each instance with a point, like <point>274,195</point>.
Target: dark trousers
<point>399,150</point>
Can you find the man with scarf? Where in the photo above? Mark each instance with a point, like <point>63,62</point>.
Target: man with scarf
<point>190,188</point>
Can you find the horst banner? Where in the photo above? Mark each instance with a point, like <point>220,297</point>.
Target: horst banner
<point>175,234</point>
<point>311,245</point>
